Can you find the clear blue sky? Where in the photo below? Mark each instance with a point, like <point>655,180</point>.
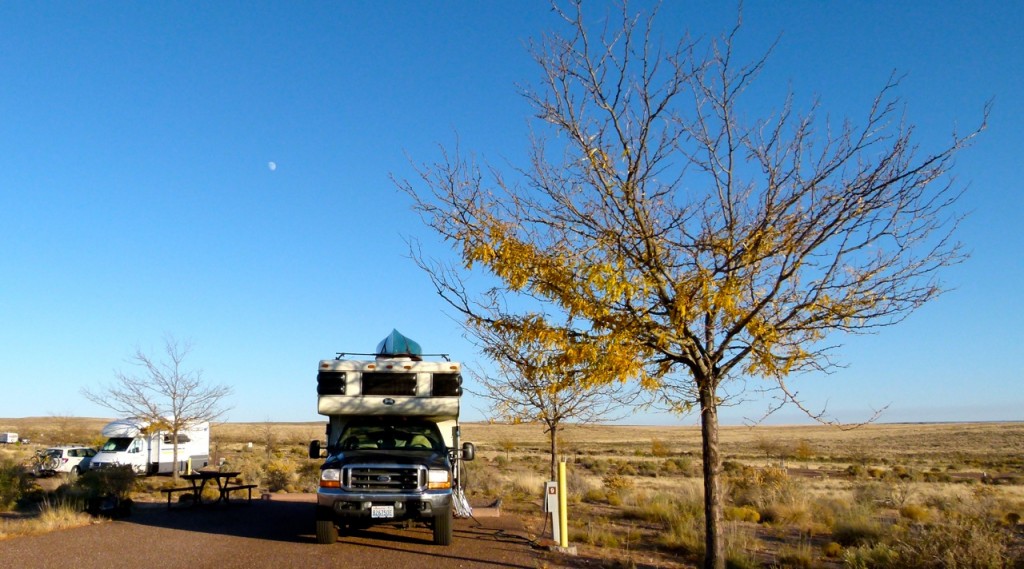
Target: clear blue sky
<point>138,196</point>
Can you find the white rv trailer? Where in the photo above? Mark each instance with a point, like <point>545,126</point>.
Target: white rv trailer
<point>150,449</point>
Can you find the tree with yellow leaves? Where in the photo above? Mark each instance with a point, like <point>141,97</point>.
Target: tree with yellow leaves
<point>685,246</point>
<point>543,380</point>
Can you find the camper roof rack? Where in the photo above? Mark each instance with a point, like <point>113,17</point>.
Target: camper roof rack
<point>340,355</point>
<point>396,345</point>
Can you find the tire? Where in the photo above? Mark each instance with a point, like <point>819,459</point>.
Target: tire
<point>443,528</point>
<point>326,532</point>
<point>75,472</point>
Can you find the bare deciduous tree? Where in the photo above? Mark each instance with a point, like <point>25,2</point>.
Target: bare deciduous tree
<point>165,393</point>
<point>689,245</point>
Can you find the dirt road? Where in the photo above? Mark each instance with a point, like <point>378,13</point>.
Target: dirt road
<point>267,533</point>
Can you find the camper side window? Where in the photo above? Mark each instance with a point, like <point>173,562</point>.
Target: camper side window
<point>168,439</point>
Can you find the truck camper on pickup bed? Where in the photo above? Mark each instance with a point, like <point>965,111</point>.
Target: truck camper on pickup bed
<point>392,451</point>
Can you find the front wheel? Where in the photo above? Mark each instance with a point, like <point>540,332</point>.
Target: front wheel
<point>443,528</point>
<point>326,531</point>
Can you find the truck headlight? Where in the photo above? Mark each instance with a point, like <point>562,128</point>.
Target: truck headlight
<point>439,480</point>
<point>330,478</point>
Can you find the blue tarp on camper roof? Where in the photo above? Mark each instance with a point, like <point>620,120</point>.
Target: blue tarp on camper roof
<point>395,344</point>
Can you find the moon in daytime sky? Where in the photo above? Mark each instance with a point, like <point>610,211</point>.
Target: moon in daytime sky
<point>272,166</point>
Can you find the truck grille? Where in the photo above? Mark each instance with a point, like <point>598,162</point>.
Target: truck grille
<point>384,478</point>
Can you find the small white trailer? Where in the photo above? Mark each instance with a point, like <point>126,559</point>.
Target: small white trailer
<point>8,438</point>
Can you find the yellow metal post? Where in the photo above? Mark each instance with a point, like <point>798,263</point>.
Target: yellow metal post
<point>563,521</point>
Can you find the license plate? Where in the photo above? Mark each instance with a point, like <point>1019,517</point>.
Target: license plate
<point>382,511</point>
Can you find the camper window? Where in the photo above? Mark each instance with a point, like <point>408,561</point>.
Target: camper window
<point>181,439</point>
<point>116,444</point>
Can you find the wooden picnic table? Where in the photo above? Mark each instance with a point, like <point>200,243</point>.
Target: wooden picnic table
<point>225,481</point>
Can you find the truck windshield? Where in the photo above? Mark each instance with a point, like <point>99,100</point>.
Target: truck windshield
<point>391,436</point>
<point>116,444</point>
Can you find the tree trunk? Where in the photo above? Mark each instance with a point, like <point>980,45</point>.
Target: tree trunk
<point>174,467</point>
<point>554,452</point>
<point>714,546</point>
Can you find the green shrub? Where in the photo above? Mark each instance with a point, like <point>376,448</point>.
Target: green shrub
<point>742,514</point>
<point>762,487</point>
<point>279,475</point>
<point>788,514</point>
<point>648,468</point>
<point>827,510</point>
<point>626,468</point>
<point>871,493</point>
<point>856,529</point>
<point>308,475</point>
<point>596,466</point>
<point>116,481</point>
<point>595,496</point>
<point>916,513</point>
<point>660,448</point>
<point>14,483</point>
<point>614,499</point>
<point>680,465</point>
<point>250,467</point>
<point>875,556</point>
<point>615,483</point>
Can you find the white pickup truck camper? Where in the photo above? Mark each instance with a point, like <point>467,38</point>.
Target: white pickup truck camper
<point>392,451</point>
<point>149,449</point>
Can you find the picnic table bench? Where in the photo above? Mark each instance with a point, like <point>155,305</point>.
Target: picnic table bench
<point>227,482</point>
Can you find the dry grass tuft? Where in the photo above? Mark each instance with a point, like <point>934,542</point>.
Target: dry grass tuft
<point>54,514</point>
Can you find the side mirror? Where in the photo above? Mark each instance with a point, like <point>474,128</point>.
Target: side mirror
<point>468,451</point>
<point>314,449</point>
